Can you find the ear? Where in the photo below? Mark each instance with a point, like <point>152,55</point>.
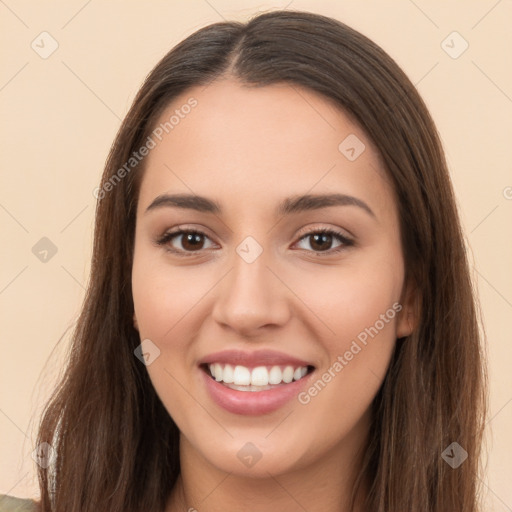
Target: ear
<point>409,316</point>
<point>135,324</point>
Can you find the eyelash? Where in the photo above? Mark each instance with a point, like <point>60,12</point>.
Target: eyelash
<point>167,237</point>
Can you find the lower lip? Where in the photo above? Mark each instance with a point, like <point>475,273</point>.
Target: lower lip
<point>253,403</point>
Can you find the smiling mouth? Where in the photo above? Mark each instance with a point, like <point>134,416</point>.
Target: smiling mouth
<point>259,378</point>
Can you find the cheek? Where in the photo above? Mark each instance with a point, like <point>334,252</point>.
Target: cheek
<point>165,301</point>
<point>350,298</point>
<point>360,307</point>
<point>345,388</point>
<point>164,296</point>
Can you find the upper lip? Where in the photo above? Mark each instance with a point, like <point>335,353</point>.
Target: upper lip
<point>254,358</point>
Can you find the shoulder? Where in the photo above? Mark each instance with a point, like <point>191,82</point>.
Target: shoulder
<point>12,504</point>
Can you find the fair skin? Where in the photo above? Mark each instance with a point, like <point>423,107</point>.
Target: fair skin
<point>248,149</point>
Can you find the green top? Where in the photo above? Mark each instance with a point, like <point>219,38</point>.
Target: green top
<point>12,504</point>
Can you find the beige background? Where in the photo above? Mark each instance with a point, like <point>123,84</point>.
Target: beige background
<point>59,117</point>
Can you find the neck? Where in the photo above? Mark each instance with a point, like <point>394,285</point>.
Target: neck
<point>326,484</point>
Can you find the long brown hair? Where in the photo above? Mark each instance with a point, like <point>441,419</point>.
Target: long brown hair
<point>116,445</point>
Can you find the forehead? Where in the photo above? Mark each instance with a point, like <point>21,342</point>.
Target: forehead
<point>227,138</point>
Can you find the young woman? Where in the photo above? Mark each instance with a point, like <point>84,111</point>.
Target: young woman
<point>280,315</point>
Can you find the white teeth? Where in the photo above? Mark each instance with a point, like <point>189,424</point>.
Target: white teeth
<point>228,375</point>
<point>261,376</point>
<point>288,374</point>
<point>241,376</point>
<point>218,372</point>
<point>275,376</point>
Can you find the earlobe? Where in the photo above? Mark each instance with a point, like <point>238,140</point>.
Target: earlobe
<point>408,317</point>
<point>406,324</point>
<point>135,324</point>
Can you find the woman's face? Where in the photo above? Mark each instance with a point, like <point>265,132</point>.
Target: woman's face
<point>258,293</point>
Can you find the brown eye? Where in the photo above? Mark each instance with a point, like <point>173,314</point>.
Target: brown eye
<point>321,241</point>
<point>184,241</point>
<point>192,241</point>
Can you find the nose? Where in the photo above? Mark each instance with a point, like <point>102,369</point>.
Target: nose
<point>251,297</point>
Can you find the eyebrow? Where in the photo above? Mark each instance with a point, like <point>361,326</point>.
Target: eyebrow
<point>288,206</point>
